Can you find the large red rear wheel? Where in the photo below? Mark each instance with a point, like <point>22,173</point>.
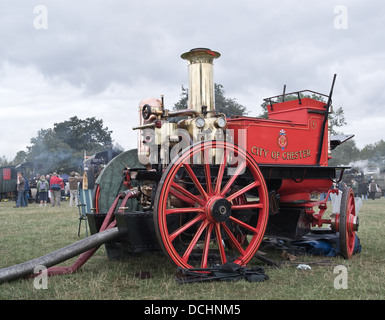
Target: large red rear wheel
<point>211,206</point>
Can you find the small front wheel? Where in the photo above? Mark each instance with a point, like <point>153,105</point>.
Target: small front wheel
<point>348,223</point>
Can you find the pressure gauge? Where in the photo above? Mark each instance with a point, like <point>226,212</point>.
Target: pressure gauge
<point>200,123</point>
<point>220,122</point>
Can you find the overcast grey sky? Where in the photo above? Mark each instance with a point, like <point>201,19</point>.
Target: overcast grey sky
<point>96,58</point>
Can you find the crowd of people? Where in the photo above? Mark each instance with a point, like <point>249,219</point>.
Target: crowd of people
<point>48,189</point>
<point>366,190</point>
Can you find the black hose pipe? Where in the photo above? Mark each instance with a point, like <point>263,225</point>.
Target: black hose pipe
<point>58,256</point>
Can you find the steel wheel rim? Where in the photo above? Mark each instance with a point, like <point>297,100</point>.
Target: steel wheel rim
<point>209,204</point>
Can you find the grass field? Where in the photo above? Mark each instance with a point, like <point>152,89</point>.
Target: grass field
<point>27,233</point>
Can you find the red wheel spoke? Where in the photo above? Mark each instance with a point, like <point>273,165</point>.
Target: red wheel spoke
<point>195,239</point>
<point>182,197</point>
<point>186,193</point>
<point>221,171</point>
<point>195,180</point>
<point>247,206</point>
<point>208,179</point>
<point>185,210</point>
<point>220,243</point>
<point>232,179</point>
<point>206,246</point>
<point>206,154</point>
<point>351,208</point>
<point>185,227</point>
<point>243,190</point>
<point>244,225</point>
<point>232,238</point>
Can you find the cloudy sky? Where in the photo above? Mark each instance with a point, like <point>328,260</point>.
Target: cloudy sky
<point>100,58</point>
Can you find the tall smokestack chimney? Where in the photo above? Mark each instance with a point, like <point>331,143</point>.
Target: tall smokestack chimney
<point>201,78</point>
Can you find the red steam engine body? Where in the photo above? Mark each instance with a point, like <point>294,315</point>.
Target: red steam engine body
<point>208,188</point>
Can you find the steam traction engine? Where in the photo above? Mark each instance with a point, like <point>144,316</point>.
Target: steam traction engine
<point>208,188</point>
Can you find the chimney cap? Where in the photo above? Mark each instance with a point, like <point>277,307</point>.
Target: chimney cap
<point>197,51</point>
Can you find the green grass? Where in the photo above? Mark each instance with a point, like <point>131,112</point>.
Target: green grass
<point>27,233</point>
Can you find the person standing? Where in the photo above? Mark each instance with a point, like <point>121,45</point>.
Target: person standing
<point>20,187</point>
<point>73,181</point>
<point>48,178</point>
<point>37,192</point>
<point>26,191</point>
<point>355,186</point>
<point>56,184</point>
<point>372,189</point>
<point>42,188</point>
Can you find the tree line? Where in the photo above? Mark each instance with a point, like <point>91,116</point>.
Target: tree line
<point>62,147</point>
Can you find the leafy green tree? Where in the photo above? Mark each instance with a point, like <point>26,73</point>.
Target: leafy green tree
<point>336,120</point>
<point>183,101</point>
<point>80,135</point>
<point>228,106</point>
<point>21,156</point>
<point>3,161</point>
<point>62,148</point>
<point>345,154</point>
<point>375,150</point>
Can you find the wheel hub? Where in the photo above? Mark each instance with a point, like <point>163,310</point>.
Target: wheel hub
<point>352,223</point>
<point>218,210</point>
